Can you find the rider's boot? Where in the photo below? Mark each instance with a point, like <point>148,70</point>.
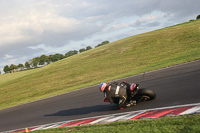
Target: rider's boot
<point>131,103</point>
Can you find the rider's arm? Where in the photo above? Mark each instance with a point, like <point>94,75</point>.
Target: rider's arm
<point>127,84</point>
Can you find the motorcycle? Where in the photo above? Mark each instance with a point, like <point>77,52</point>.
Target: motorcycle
<point>135,95</point>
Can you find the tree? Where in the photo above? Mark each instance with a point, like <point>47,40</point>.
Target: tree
<point>70,53</point>
<point>103,43</point>
<point>82,50</point>
<point>57,57</point>
<point>50,58</point>
<point>6,69</point>
<point>198,17</point>
<point>43,58</point>
<point>27,65</point>
<point>12,67</point>
<point>88,47</point>
<point>35,61</point>
<point>20,66</point>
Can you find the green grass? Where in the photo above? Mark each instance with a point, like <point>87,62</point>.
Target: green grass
<point>129,56</point>
<point>180,124</point>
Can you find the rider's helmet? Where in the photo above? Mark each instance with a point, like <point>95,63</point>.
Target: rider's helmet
<point>102,86</point>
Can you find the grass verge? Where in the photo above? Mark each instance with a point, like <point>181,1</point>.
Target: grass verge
<point>129,56</point>
<point>179,124</point>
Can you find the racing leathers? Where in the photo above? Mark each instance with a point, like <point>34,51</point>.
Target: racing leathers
<point>120,93</point>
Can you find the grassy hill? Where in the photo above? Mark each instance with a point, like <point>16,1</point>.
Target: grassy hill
<point>129,56</point>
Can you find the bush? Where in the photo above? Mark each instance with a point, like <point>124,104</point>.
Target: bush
<point>198,17</point>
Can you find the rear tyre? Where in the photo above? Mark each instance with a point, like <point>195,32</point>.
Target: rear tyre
<point>145,95</point>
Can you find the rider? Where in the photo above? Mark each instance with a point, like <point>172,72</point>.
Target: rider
<point>124,94</point>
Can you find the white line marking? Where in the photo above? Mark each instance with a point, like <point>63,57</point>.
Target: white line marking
<point>100,120</point>
<point>131,115</point>
<point>124,117</point>
<point>47,126</point>
<point>116,118</point>
<point>191,110</point>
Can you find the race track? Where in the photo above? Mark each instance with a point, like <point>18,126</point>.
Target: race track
<point>176,85</point>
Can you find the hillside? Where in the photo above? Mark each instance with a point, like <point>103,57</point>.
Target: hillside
<point>129,56</point>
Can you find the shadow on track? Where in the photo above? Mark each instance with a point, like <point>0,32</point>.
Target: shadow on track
<point>85,110</point>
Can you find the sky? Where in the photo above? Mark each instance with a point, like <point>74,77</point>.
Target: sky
<point>30,28</point>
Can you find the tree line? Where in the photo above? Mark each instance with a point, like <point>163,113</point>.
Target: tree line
<point>45,60</point>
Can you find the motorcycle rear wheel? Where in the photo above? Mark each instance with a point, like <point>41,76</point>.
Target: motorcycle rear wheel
<point>145,95</point>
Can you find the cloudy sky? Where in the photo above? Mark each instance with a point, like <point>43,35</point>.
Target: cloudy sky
<point>30,28</point>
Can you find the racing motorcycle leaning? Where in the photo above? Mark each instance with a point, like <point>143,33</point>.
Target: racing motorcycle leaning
<point>126,95</point>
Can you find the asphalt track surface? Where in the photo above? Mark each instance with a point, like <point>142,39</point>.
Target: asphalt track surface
<point>177,85</point>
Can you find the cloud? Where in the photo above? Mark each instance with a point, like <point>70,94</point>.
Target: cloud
<point>57,23</point>
<point>46,27</point>
<point>32,28</point>
<point>149,20</point>
<point>7,56</point>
